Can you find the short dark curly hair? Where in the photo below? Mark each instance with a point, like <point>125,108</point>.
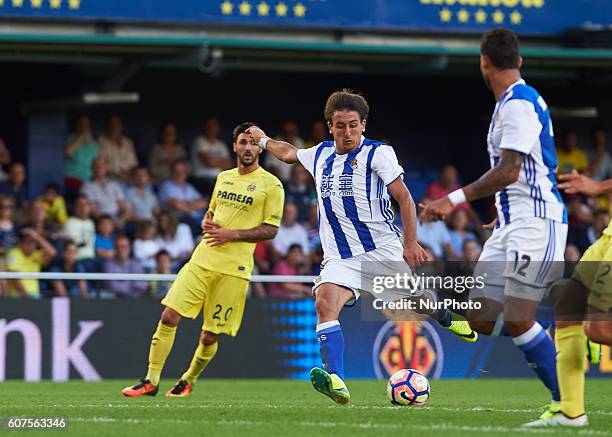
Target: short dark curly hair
<point>346,100</point>
<point>241,128</point>
<point>501,46</point>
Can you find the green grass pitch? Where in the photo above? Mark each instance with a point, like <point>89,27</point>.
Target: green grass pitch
<point>293,408</point>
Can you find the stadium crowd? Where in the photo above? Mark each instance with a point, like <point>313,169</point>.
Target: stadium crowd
<point>112,213</point>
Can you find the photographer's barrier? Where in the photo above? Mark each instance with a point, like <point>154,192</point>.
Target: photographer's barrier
<point>61,339</point>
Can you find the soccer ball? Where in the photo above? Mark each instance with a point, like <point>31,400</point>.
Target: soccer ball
<point>408,387</point>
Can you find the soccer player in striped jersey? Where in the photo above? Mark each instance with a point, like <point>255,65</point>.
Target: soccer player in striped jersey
<point>355,178</point>
<point>525,252</point>
<point>584,306</point>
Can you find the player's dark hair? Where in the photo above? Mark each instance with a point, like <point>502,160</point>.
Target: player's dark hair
<point>501,46</point>
<point>346,100</point>
<point>241,128</point>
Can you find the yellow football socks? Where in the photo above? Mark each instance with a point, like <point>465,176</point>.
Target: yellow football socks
<point>201,358</point>
<point>570,343</point>
<point>161,344</point>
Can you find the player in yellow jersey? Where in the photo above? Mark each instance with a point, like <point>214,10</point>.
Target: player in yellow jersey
<point>587,296</point>
<point>246,207</point>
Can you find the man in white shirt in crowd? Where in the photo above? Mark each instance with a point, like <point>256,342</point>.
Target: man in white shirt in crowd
<point>106,195</point>
<point>81,229</point>
<point>290,232</point>
<point>209,157</point>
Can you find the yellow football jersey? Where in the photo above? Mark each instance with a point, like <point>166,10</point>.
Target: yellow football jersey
<point>240,202</point>
<point>608,230</point>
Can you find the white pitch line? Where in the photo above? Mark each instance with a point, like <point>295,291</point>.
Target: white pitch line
<point>178,404</point>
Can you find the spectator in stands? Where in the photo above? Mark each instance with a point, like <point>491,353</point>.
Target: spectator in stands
<point>458,232</point>
<point>579,212</point>
<point>209,157</point>
<point>163,263</point>
<point>79,155</point>
<point>8,229</point>
<point>293,264</point>
<point>601,219</point>
<point>435,235</point>
<point>68,263</point>
<point>117,150</point>
<point>175,237</point>
<point>125,264</point>
<point>261,257</point>
<point>570,156</point>
<point>146,244</point>
<point>5,159</point>
<point>15,186</point>
<point>290,233</point>
<point>165,153</point>
<point>179,196</point>
<point>290,133</point>
<point>28,257</point>
<point>105,239</point>
<point>601,161</point>
<point>318,133</point>
<point>37,220</point>
<point>54,204</point>
<point>446,184</point>
<point>471,250</point>
<point>141,198</point>
<point>312,227</point>
<point>299,191</point>
<point>106,195</point>
<point>8,234</point>
<point>81,229</point>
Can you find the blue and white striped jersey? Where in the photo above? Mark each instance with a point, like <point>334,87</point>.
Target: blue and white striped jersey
<point>521,122</point>
<point>355,213</point>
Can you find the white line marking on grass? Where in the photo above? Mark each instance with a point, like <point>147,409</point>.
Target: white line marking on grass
<point>246,405</point>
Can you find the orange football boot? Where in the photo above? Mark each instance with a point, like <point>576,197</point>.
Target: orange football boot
<point>144,388</point>
<point>180,390</point>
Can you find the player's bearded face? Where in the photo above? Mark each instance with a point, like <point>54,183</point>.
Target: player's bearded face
<point>347,127</point>
<point>246,150</point>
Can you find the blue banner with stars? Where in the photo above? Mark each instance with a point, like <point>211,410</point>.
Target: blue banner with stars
<point>523,16</point>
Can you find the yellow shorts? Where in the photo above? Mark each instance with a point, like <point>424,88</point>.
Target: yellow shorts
<point>222,296</point>
<point>593,271</point>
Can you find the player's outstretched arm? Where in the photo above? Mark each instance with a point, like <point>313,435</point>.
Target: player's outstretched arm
<point>414,254</point>
<point>575,182</point>
<point>497,178</point>
<point>280,149</point>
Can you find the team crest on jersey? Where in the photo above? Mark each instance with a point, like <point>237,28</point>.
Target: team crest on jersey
<point>354,164</point>
<point>251,188</point>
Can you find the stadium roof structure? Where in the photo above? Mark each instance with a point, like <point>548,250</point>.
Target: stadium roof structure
<point>281,51</point>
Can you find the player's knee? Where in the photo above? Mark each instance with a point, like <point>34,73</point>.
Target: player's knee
<point>570,301</point>
<point>599,332</point>
<point>483,327</point>
<point>518,327</point>
<point>170,317</point>
<point>208,338</point>
<point>324,306</point>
